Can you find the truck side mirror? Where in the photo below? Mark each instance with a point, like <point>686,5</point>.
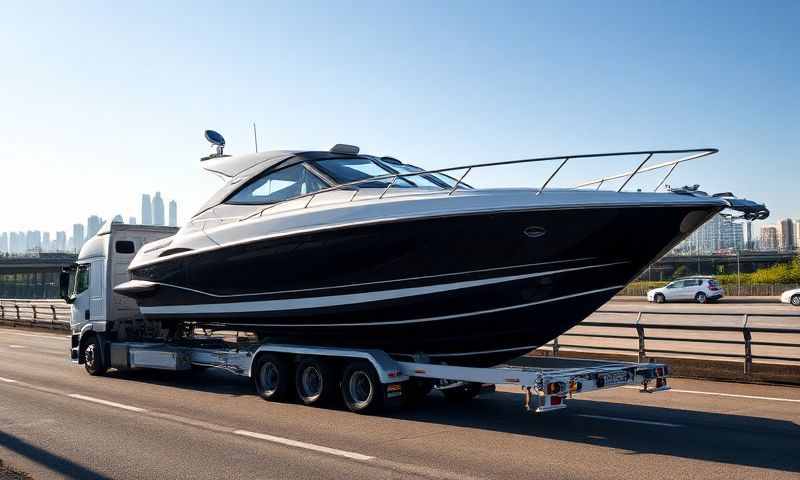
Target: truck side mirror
<point>63,286</point>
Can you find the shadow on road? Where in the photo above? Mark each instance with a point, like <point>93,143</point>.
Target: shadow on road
<point>53,462</point>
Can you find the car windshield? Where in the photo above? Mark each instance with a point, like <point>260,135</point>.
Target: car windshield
<point>346,170</point>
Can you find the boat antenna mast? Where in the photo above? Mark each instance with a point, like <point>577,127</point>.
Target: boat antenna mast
<point>255,137</point>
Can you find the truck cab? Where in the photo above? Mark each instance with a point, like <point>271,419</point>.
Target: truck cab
<point>88,286</point>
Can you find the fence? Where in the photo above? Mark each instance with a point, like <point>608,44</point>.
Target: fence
<point>639,289</point>
<point>53,314</point>
<point>780,332</point>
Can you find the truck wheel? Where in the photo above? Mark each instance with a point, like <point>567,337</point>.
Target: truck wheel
<point>94,361</point>
<point>700,297</point>
<point>659,298</point>
<point>272,376</point>
<point>463,393</point>
<point>315,381</point>
<point>362,390</point>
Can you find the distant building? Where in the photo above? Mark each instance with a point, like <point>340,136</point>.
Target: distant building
<point>158,209</point>
<point>797,233</point>
<point>788,240</point>
<point>769,237</point>
<point>4,243</point>
<point>719,233</point>
<point>33,240</point>
<point>147,210</point>
<point>77,237</point>
<point>117,219</point>
<point>93,225</point>
<point>131,220</point>
<point>46,242</point>
<point>173,213</point>
<point>61,241</point>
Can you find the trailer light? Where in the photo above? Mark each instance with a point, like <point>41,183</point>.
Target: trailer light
<point>555,400</point>
<point>553,388</point>
<point>392,374</point>
<point>394,387</point>
<point>419,370</point>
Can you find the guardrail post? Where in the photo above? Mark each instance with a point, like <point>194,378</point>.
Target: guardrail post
<point>748,348</point>
<point>640,334</point>
<point>18,317</point>
<point>53,321</point>
<point>33,320</point>
<point>2,312</point>
<point>555,347</point>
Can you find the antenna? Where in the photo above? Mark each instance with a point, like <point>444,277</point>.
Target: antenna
<point>255,136</point>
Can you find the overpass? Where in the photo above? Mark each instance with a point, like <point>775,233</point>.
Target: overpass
<point>34,276</point>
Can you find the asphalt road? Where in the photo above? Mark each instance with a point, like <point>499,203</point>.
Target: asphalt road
<point>58,422</point>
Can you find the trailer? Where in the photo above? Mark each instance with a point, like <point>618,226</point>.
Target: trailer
<point>108,331</point>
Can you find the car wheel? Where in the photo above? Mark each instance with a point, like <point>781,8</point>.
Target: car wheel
<point>700,297</point>
<point>796,300</point>
<point>659,298</point>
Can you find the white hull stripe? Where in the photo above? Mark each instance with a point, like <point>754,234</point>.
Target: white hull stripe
<point>347,299</point>
<point>434,319</point>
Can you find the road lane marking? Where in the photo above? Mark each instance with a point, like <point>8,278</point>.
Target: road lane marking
<point>107,403</point>
<point>733,395</point>
<point>307,446</point>
<point>50,337</point>
<point>7,380</point>
<point>630,420</point>
<point>11,345</point>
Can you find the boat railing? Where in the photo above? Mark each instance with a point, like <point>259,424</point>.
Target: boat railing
<point>392,178</point>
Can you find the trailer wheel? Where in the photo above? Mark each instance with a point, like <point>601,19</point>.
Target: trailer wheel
<point>462,393</point>
<point>94,360</point>
<point>362,390</point>
<point>272,376</point>
<point>315,381</point>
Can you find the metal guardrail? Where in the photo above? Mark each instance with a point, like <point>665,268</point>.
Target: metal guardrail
<point>640,325</point>
<point>35,313</point>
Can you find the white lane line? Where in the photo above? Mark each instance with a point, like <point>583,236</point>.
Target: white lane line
<point>7,380</point>
<point>733,395</point>
<point>107,403</point>
<point>49,337</point>
<point>307,446</point>
<point>15,346</point>
<point>630,420</point>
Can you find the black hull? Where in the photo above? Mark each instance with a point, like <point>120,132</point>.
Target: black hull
<point>473,289</point>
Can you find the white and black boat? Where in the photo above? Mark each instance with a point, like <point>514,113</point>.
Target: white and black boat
<point>339,248</point>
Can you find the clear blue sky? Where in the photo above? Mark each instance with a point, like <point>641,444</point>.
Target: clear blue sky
<point>103,101</point>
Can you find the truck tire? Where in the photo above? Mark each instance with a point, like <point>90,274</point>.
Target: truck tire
<point>362,390</point>
<point>463,393</point>
<point>315,381</point>
<point>94,359</point>
<point>272,377</point>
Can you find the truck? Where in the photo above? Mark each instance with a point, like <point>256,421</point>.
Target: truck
<point>109,331</point>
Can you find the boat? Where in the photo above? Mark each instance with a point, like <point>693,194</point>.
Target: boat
<point>346,249</point>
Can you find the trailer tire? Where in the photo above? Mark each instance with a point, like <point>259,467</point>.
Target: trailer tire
<point>272,377</point>
<point>315,381</point>
<point>94,359</point>
<point>362,390</point>
<point>463,393</point>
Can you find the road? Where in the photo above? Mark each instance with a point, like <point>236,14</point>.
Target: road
<point>58,422</point>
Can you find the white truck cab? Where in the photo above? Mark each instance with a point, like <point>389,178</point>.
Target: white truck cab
<point>88,284</point>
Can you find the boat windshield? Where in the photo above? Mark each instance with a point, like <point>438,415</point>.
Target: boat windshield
<point>346,170</point>
<point>437,180</point>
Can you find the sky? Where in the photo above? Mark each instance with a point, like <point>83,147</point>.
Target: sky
<point>103,101</point>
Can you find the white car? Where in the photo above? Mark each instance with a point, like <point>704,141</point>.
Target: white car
<point>791,296</point>
<point>698,289</point>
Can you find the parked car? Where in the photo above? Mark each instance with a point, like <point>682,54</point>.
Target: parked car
<point>699,289</point>
<point>791,296</point>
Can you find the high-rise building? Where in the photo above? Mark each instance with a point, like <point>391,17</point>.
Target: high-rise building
<point>33,240</point>
<point>158,209</point>
<point>93,225</point>
<point>61,241</point>
<point>173,213</point>
<point>797,233</point>
<point>77,236</point>
<point>4,243</point>
<point>131,220</point>
<point>769,237</point>
<point>147,210</point>
<point>787,232</point>
<point>117,219</point>
<point>46,242</point>
<point>719,233</point>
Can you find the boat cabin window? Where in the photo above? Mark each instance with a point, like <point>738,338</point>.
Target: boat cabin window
<point>346,170</point>
<point>277,186</point>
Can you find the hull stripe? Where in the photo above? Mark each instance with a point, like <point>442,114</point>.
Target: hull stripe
<point>430,319</point>
<point>347,299</point>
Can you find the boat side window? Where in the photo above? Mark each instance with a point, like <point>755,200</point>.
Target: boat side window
<point>82,278</point>
<point>278,186</point>
<point>346,170</point>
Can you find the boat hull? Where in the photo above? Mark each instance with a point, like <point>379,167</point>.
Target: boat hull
<point>470,289</point>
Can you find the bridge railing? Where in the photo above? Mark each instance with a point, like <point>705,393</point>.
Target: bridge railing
<point>52,314</point>
<point>640,288</point>
<point>746,337</point>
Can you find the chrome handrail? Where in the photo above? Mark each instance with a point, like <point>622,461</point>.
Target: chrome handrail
<point>394,177</point>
